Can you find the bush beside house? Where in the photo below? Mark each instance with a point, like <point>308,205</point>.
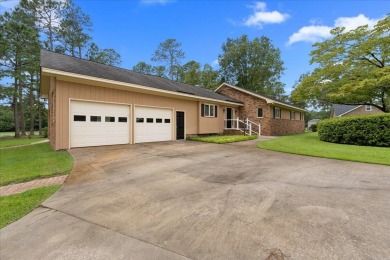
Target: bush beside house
<point>373,130</point>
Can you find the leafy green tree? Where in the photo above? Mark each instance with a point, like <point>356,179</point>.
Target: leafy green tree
<point>144,68</point>
<point>170,53</point>
<point>104,56</point>
<point>209,78</point>
<point>159,71</point>
<point>353,68</point>
<point>190,73</point>
<point>18,43</point>
<point>47,14</point>
<point>72,32</point>
<point>254,65</point>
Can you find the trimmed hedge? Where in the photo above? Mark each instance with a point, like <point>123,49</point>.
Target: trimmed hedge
<point>372,130</point>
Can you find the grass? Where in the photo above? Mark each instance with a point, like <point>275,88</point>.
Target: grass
<point>26,163</point>
<point>222,139</point>
<point>6,142</point>
<point>14,207</point>
<point>309,144</point>
<point>10,134</point>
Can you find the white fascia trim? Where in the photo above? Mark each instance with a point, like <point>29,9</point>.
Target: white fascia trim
<point>108,81</point>
<point>350,110</point>
<point>268,100</point>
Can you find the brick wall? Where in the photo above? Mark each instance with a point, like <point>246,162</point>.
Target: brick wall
<point>269,125</point>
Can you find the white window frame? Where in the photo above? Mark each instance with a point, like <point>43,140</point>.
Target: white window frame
<point>211,112</point>
<point>262,112</point>
<point>279,114</point>
<point>368,107</point>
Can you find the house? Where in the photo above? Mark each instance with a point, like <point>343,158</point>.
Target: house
<point>274,117</point>
<point>92,104</point>
<point>312,122</point>
<point>353,110</point>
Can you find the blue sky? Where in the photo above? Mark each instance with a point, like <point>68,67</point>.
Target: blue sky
<point>135,28</point>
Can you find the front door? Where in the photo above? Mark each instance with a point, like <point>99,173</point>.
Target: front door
<point>229,117</point>
<point>179,125</point>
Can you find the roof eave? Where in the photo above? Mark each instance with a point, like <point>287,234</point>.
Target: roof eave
<point>68,75</point>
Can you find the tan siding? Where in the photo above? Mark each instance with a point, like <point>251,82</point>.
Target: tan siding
<point>361,111</point>
<point>211,124</point>
<point>69,90</point>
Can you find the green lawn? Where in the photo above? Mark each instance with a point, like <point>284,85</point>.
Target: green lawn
<point>14,207</point>
<point>222,139</point>
<point>6,141</point>
<point>309,144</point>
<point>25,163</point>
<point>4,134</point>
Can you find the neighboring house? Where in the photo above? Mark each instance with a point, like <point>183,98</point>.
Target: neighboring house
<point>275,117</point>
<point>353,110</point>
<point>92,104</point>
<point>312,122</point>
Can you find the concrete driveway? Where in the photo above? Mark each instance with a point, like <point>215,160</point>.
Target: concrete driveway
<point>203,201</point>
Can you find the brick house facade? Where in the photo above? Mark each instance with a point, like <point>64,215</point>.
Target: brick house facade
<point>275,118</point>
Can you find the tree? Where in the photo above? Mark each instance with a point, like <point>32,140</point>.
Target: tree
<point>190,73</point>
<point>170,53</point>
<point>104,56</point>
<point>72,30</point>
<point>254,65</point>
<point>48,15</point>
<point>18,44</point>
<point>353,68</point>
<point>144,68</point>
<point>209,77</point>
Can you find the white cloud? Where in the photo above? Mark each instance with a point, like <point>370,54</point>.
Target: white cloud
<point>152,2</point>
<point>315,33</point>
<point>8,5</point>
<point>261,16</point>
<point>311,33</point>
<point>351,23</point>
<point>215,63</point>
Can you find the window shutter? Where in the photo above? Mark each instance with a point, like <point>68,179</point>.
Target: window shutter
<point>216,111</point>
<point>274,111</point>
<point>202,110</point>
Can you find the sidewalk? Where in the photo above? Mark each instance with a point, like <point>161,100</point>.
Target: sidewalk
<point>22,187</point>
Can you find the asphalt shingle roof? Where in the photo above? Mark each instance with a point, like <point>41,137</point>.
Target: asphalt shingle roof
<point>342,109</point>
<point>61,62</point>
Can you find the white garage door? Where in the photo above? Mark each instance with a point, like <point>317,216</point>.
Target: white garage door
<point>152,124</point>
<point>95,124</point>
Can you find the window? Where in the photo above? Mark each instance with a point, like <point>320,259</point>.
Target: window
<point>158,120</point>
<point>149,120</point>
<point>122,119</point>
<point>167,120</point>
<point>110,119</point>
<point>209,110</point>
<point>79,118</point>
<point>260,112</point>
<point>368,108</point>
<point>96,118</point>
<point>292,115</point>
<point>276,112</point>
<point>139,120</point>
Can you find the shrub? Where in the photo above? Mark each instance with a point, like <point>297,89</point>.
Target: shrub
<point>372,130</point>
<point>313,128</point>
<point>44,132</point>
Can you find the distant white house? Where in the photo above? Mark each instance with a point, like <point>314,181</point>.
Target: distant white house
<point>312,122</point>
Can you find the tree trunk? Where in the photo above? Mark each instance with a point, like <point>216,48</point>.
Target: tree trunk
<point>16,111</point>
<point>31,99</point>
<point>21,114</point>
<point>39,104</point>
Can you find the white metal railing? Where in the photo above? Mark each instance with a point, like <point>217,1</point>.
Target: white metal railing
<point>246,126</point>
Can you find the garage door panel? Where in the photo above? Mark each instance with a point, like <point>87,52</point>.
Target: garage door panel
<point>95,131</point>
<point>159,127</point>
